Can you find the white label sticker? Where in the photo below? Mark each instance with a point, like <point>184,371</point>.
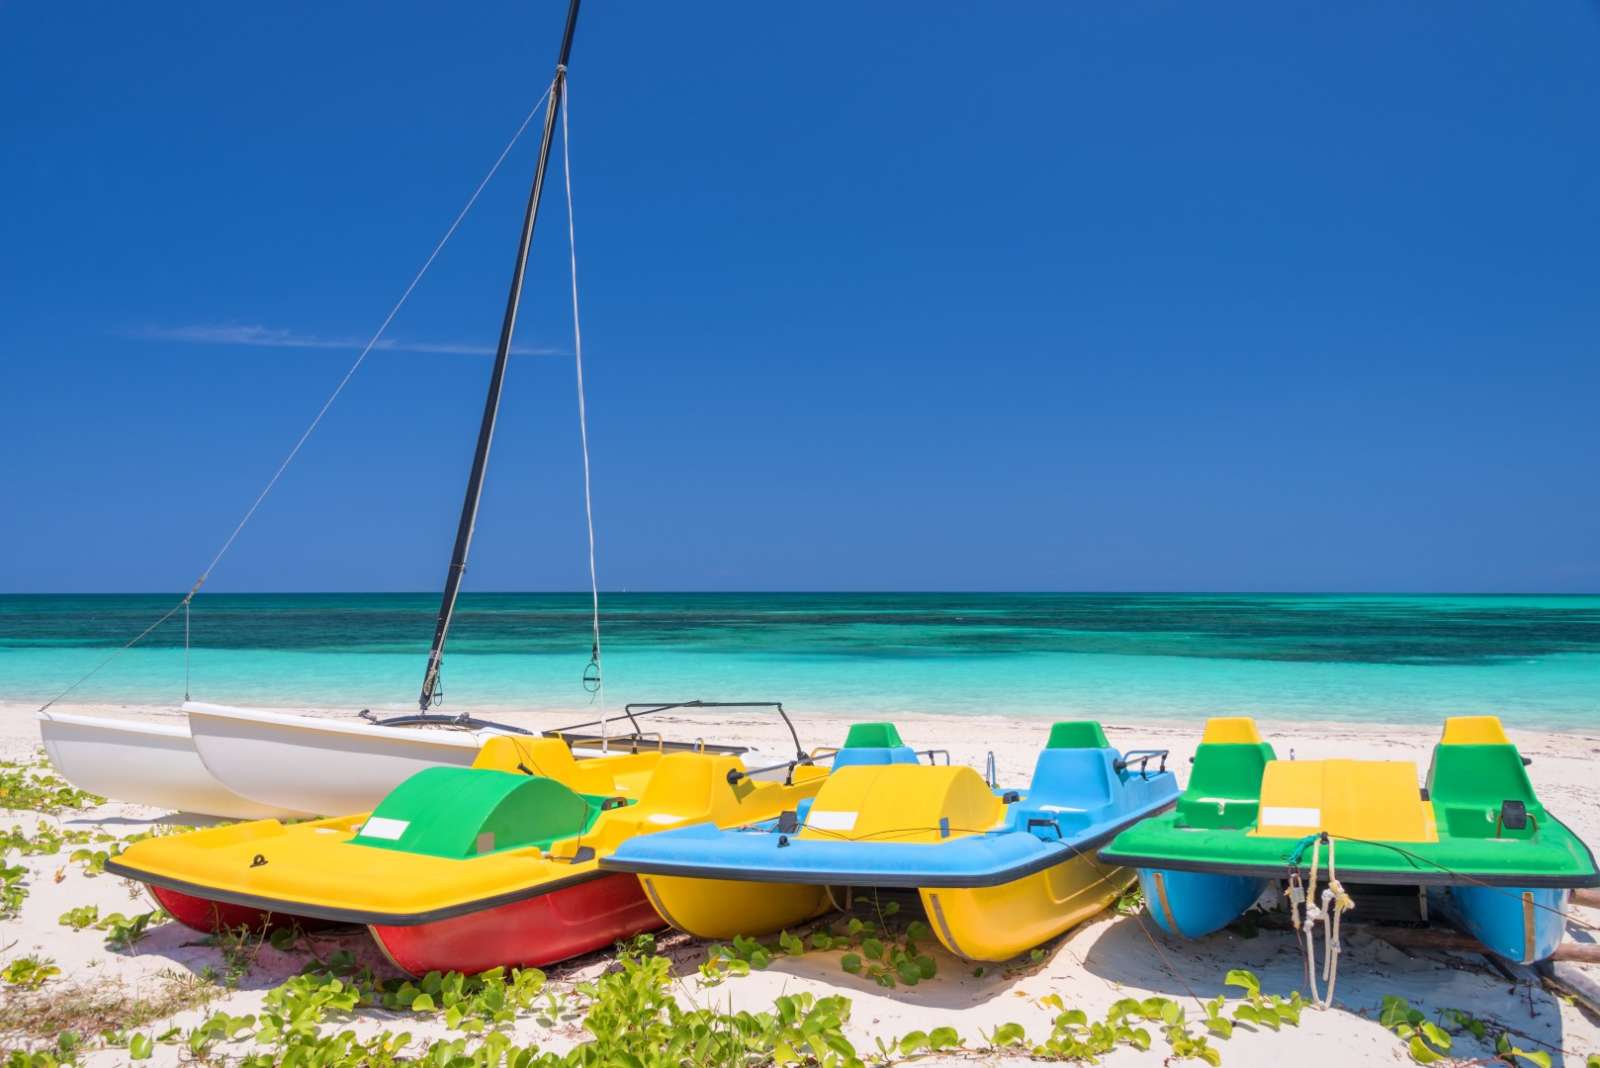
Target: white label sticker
<point>832,821</point>
<point>382,827</point>
<point>1274,816</point>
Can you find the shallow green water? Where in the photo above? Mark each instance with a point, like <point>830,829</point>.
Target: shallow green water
<point>1534,660</point>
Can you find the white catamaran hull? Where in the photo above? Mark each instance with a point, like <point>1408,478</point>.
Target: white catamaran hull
<point>143,763</point>
<point>319,766</point>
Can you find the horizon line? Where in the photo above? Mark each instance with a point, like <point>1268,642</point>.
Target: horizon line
<point>624,591</point>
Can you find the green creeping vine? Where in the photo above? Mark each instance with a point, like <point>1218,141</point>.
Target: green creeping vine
<point>940,1039</point>
<point>13,892</point>
<point>1075,1037</point>
<point>887,954</point>
<point>47,839</point>
<point>1428,1041</point>
<point>633,1019</point>
<point>37,788</point>
<point>632,1016</point>
<point>1131,903</point>
<point>29,973</point>
<point>636,1021</point>
<point>123,931</point>
<point>1263,1010</point>
<point>64,1053</point>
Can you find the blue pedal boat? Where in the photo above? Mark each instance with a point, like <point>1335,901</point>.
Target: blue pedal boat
<point>998,871</point>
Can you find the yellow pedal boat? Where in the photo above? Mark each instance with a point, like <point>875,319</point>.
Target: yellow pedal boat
<point>467,868</point>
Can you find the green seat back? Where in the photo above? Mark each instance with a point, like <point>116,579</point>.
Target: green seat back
<point>466,812</point>
<point>872,736</point>
<point>1224,787</point>
<point>1468,784</point>
<point>1077,734</point>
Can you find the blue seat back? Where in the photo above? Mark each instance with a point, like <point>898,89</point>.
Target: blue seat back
<point>1074,778</point>
<point>873,754</point>
<point>874,743</point>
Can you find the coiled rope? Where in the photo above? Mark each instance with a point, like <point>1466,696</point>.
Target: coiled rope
<point>316,421</point>
<point>1306,909</point>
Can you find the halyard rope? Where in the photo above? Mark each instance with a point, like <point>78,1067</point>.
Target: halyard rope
<point>315,422</point>
<point>583,420</point>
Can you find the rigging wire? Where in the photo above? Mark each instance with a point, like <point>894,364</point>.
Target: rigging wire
<point>593,677</point>
<point>311,428</point>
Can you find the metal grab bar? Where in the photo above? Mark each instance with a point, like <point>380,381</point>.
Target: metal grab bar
<point>1142,757</point>
<point>635,709</point>
<point>734,774</point>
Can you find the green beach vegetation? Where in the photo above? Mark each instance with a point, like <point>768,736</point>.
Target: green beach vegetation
<point>630,1015</point>
<point>633,1013</point>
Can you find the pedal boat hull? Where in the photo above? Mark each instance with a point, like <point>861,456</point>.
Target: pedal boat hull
<point>1492,860</point>
<point>462,869</point>
<point>995,876</point>
<point>524,934</point>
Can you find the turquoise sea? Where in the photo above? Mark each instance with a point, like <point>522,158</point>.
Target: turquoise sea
<point>1533,660</point>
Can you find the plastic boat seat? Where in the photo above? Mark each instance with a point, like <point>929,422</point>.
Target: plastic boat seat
<point>1475,771</point>
<point>903,803</point>
<point>1375,800</point>
<point>684,788</point>
<point>688,788</point>
<point>1224,789</point>
<point>1077,734</point>
<point>1072,788</point>
<point>488,812</point>
<point>549,757</point>
<point>552,758</point>
<point>873,743</point>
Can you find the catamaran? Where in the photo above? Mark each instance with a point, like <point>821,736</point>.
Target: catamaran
<point>237,762</point>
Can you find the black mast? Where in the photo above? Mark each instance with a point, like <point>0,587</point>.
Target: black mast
<point>491,404</point>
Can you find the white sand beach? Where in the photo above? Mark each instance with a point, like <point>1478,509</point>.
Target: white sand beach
<point>1109,958</point>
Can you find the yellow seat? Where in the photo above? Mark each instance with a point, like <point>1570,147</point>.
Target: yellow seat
<point>549,757</point>
<point>903,803</point>
<point>1230,730</point>
<point>1377,800</point>
<point>1474,730</point>
<point>623,775</point>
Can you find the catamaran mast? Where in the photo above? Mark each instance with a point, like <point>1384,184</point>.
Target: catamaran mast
<point>491,405</point>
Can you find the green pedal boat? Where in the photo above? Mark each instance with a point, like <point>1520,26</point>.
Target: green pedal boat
<point>1475,838</point>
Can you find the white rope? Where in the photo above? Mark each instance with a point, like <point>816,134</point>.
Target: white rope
<point>583,418</point>
<point>1329,910</point>
<point>316,421</point>
<point>1336,903</point>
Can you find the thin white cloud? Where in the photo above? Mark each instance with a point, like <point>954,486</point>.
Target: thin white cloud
<point>273,338</point>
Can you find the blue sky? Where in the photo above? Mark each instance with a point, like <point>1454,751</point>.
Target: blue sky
<point>885,296</point>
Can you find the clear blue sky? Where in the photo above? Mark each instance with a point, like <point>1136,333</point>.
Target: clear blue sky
<point>886,296</point>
